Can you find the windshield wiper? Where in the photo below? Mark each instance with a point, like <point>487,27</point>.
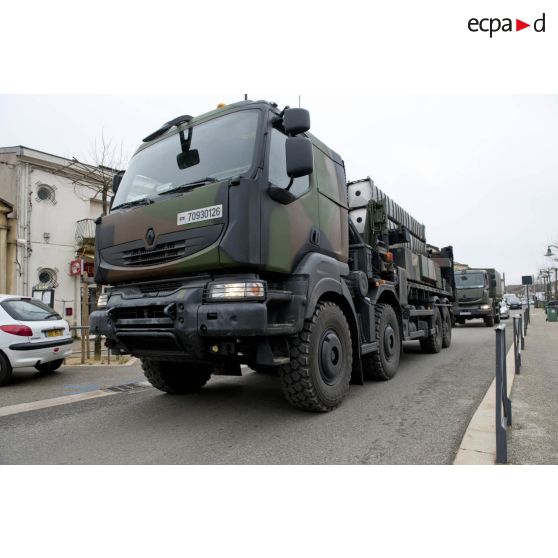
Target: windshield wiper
<point>187,186</point>
<point>52,315</point>
<point>141,201</point>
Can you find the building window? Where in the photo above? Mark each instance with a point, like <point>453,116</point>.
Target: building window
<point>46,193</point>
<point>47,278</point>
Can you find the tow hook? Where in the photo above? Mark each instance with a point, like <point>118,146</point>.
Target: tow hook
<point>170,311</point>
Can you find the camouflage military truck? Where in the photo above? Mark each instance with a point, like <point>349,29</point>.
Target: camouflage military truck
<point>479,294</point>
<point>233,239</point>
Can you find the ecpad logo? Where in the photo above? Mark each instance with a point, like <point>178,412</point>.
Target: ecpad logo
<point>493,25</point>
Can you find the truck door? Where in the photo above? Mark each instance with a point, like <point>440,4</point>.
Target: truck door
<point>290,231</point>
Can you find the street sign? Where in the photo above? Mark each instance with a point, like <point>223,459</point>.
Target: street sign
<point>526,279</point>
<point>75,267</point>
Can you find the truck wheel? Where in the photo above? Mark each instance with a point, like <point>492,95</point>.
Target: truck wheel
<point>383,364</point>
<point>489,320</point>
<point>446,328</point>
<point>433,343</point>
<point>49,367</point>
<point>5,370</point>
<point>318,375</point>
<point>168,377</point>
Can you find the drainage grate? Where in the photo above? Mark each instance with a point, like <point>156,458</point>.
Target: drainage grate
<point>133,386</point>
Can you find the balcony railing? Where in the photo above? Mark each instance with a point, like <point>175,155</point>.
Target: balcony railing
<point>85,234</point>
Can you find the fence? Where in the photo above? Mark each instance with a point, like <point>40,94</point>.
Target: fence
<point>503,402</point>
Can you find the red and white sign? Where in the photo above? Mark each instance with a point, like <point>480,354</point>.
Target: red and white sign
<point>75,267</point>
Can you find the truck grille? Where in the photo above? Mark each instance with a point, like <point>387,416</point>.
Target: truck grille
<point>163,253</point>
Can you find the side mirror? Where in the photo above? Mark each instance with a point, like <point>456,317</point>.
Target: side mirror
<point>116,180</point>
<point>281,195</point>
<point>299,157</point>
<point>296,121</point>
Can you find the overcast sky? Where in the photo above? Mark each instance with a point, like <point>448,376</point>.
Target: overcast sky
<point>480,171</point>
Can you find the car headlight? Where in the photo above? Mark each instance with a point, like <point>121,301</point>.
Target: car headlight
<point>245,290</point>
<point>103,300</point>
<point>485,307</point>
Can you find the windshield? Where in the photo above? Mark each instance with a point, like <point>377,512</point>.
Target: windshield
<point>216,149</point>
<point>469,281</point>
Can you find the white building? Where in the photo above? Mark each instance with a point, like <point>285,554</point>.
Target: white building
<point>46,222</point>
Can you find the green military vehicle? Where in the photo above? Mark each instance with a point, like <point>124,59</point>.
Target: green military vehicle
<point>479,294</point>
<point>233,238</point>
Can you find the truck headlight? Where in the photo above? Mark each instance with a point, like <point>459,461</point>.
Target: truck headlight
<point>103,301</point>
<point>485,307</point>
<point>245,290</point>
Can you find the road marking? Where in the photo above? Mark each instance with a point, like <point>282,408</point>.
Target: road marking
<point>67,399</point>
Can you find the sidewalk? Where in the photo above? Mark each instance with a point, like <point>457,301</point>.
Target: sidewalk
<point>533,438</point>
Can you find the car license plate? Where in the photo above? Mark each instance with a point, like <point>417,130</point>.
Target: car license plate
<point>464,313</point>
<point>54,332</point>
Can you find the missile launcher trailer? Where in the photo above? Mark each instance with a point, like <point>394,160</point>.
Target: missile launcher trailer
<point>234,239</point>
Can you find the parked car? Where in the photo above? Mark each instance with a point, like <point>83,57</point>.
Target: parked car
<point>31,334</point>
<point>504,310</point>
<point>512,301</point>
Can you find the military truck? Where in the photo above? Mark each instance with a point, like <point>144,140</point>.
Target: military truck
<point>233,239</point>
<point>479,294</point>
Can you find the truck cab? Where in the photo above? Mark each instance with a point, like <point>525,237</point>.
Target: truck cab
<point>479,292</point>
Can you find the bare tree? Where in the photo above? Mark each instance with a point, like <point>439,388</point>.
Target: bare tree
<point>93,181</point>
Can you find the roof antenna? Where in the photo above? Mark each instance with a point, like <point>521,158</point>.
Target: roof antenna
<point>299,101</point>
<point>245,96</point>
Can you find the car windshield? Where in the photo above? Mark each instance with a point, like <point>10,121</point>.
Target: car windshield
<point>29,310</point>
<point>214,150</point>
<point>469,281</point>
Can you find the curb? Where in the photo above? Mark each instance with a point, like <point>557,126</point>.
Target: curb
<point>131,362</point>
<point>478,446</point>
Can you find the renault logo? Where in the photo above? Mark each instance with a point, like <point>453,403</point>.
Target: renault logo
<point>150,237</point>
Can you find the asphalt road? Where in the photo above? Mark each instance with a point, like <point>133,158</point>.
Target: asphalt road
<point>419,417</point>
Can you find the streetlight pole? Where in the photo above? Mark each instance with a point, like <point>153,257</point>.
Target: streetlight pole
<point>549,254</point>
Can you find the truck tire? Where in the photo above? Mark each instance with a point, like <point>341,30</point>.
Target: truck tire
<point>489,320</point>
<point>433,343</point>
<point>5,370</point>
<point>49,367</point>
<point>318,375</point>
<point>167,376</point>
<point>383,364</point>
<point>446,328</point>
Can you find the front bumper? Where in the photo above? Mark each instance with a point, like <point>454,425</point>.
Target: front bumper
<point>472,312</point>
<point>181,325</point>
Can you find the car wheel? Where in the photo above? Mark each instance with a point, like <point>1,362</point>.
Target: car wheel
<point>49,367</point>
<point>5,370</point>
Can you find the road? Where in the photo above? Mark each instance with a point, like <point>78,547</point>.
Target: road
<point>419,417</point>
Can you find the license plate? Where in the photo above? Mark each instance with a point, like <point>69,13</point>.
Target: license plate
<point>464,313</point>
<point>202,214</point>
<point>54,332</point>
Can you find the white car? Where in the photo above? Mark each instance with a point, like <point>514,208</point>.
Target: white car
<point>504,310</point>
<point>31,334</point>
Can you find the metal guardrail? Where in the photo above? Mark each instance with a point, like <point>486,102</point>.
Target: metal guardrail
<point>503,402</point>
